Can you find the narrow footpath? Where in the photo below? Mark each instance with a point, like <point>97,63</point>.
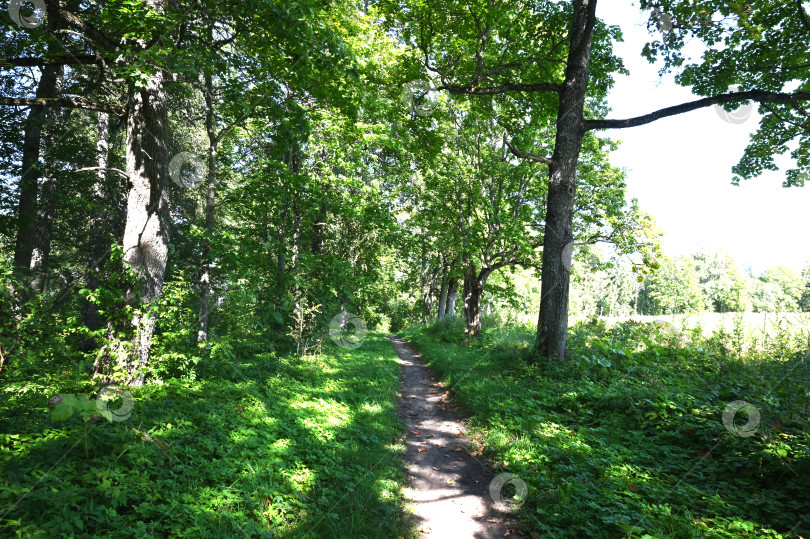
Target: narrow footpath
<point>448,488</point>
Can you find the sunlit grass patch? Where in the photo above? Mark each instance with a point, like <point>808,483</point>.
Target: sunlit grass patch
<point>627,436</point>
<point>267,446</point>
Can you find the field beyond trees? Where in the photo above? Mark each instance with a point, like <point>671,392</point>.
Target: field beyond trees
<point>758,326</point>
<point>213,214</point>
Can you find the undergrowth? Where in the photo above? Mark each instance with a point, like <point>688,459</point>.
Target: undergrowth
<point>627,437</point>
<point>260,446</point>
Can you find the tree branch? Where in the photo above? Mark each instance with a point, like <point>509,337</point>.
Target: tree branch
<point>86,28</point>
<point>59,102</point>
<point>759,96</point>
<point>107,169</point>
<point>524,155</point>
<point>78,59</point>
<point>458,89</point>
<point>803,14</point>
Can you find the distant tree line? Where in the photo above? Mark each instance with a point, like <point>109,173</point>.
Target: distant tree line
<point>702,282</point>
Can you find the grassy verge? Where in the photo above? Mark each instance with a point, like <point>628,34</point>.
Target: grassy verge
<point>627,438</point>
<point>261,447</point>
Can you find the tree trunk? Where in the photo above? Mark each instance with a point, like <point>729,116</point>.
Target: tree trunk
<point>210,200</point>
<point>99,236</point>
<point>319,229</point>
<point>46,206</point>
<point>282,248</point>
<point>29,180</point>
<point>428,289</point>
<point>552,324</point>
<point>473,291</point>
<point>146,233</point>
<point>46,210</point>
<point>427,299</point>
<point>442,310</point>
<point>296,231</point>
<point>452,297</point>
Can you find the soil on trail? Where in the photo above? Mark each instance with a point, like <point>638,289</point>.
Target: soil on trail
<point>448,488</point>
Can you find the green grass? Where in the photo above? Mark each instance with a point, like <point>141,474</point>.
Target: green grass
<point>264,446</point>
<point>626,438</point>
<point>760,326</point>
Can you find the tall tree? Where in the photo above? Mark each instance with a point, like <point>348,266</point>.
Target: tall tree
<point>49,191</point>
<point>99,235</point>
<point>674,288</point>
<point>479,200</point>
<point>724,286</point>
<point>47,88</point>
<point>804,303</point>
<point>481,48</point>
<point>131,44</point>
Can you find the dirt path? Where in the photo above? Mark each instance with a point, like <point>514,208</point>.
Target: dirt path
<point>449,489</point>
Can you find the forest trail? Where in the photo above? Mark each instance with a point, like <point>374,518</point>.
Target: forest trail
<point>449,489</point>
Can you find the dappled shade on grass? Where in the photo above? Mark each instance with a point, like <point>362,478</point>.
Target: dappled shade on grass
<point>264,446</point>
<point>626,437</point>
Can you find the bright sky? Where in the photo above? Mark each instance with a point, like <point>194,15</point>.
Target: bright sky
<point>679,168</point>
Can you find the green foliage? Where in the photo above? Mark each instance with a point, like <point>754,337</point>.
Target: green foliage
<point>740,38</point>
<point>675,288</point>
<point>627,436</point>
<point>264,445</point>
<point>804,300</point>
<point>780,290</point>
<point>70,404</point>
<point>449,329</point>
<point>174,348</point>
<point>329,195</point>
<point>725,289</point>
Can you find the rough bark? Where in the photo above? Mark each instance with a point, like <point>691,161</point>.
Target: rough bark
<point>146,233</point>
<point>552,325</point>
<point>46,205</point>
<point>442,306</point>
<point>452,297</point>
<point>210,200</point>
<point>29,180</point>
<point>99,237</point>
<point>474,283</point>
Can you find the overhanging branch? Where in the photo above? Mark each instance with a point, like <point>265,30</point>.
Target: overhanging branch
<point>77,59</point>
<point>59,102</point>
<point>803,15</point>
<point>98,37</point>
<point>458,89</point>
<point>526,155</point>
<point>759,96</point>
<point>118,171</point>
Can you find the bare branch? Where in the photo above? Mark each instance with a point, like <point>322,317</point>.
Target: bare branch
<point>803,15</point>
<point>107,169</point>
<point>503,88</point>
<point>759,96</point>
<point>525,155</point>
<point>77,59</point>
<point>59,102</point>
